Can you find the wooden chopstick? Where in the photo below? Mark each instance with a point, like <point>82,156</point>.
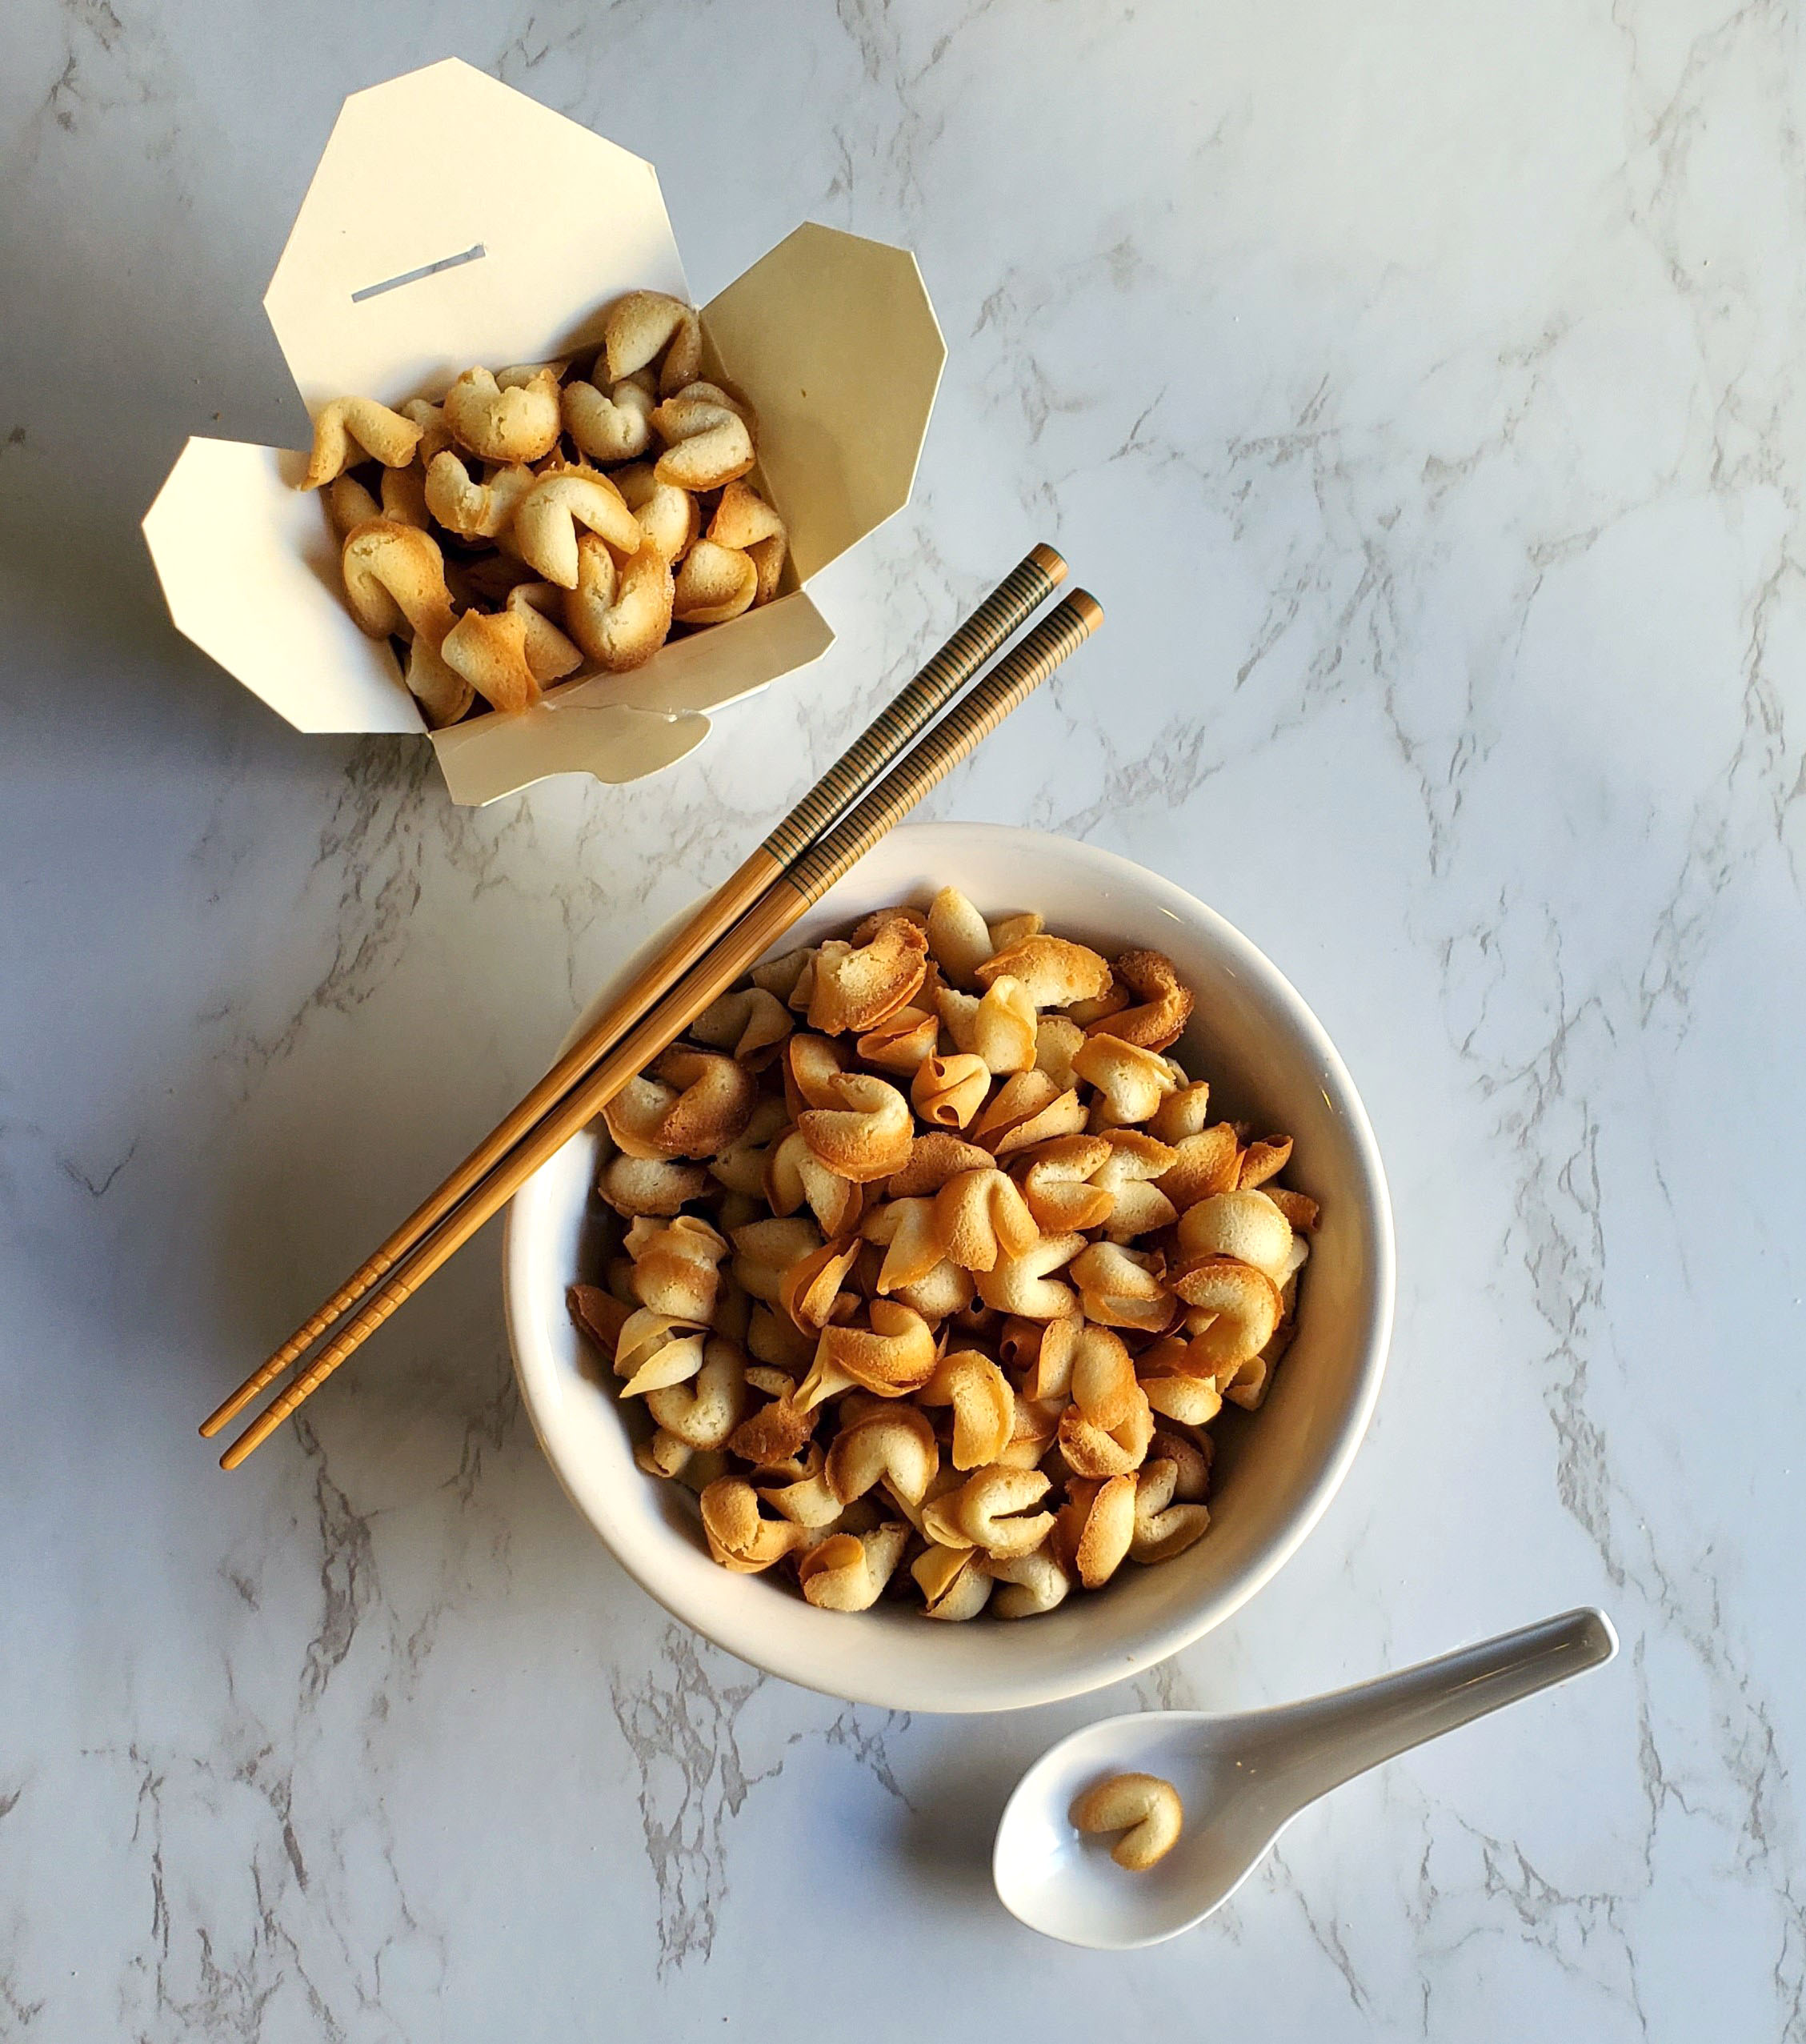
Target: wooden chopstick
<point>1016,675</point>
<point>1015,599</point>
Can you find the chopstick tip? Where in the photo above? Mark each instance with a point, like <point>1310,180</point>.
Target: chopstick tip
<point>1090,610</point>
<point>1052,565</point>
<point>215,1421</point>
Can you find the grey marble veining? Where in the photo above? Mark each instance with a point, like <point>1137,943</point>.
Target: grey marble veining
<point>1417,387</point>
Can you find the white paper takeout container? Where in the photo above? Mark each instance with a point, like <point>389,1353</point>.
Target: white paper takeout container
<point>451,222</point>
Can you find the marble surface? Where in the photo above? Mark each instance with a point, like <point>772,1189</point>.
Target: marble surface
<point>1417,387</point>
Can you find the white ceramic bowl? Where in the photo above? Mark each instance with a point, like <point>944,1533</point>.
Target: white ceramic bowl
<point>1267,1058</point>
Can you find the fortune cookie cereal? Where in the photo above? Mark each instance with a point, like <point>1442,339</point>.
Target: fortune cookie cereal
<point>931,1268</point>
<point>542,519</point>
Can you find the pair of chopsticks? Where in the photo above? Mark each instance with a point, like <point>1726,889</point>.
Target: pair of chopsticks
<point>848,811</point>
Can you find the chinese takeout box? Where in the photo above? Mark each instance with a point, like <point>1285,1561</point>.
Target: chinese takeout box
<point>452,222</point>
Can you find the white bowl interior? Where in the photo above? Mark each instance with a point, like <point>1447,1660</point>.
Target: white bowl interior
<point>1267,1059</point>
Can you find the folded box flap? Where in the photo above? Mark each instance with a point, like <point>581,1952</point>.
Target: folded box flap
<point>833,339</point>
<point>537,222</point>
<point>495,756</point>
<point>250,569</point>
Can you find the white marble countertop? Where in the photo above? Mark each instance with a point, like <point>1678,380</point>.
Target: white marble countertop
<point>1417,388</point>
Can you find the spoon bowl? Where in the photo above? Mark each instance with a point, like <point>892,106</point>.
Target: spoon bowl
<point>1242,1778</point>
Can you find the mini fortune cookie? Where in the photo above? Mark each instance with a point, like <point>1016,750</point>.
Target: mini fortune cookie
<point>953,1582</point>
<point>774,1434</point>
<point>1055,971</point>
<point>1102,1382</point>
<point>350,430</point>
<point>947,1092</point>
<point>900,1042</point>
<point>649,1185</point>
<point>1125,1288</point>
<point>1015,929</point>
<point>812,1067</point>
<point>764,1251</point>
<point>1247,1226</point>
<point>1029,1584</point>
<point>867,1135</point>
<point>744,521</point>
<point>1242,1304</point>
<point>443,693</point>
<point>982,1218</point>
<point>983,1406</point>
<point>490,653</point>
<point>714,584</point>
<point>1164,1529</point>
<point>1135,1161</point>
<point>404,495</point>
<point>739,1538</point>
<point>395,577</point>
<point>1024,1285</point>
<point>1057,1041</point>
<point>702,1411</point>
<point>547,517</point>
<point>959,937</point>
<point>515,423</point>
<point>895,1354</point>
<point>618,617</point>
<point>549,655</point>
<point>744,1023</point>
<point>1144,1808</point>
<point>809,1290</point>
<point>905,1230</point>
<point>642,325</point>
<point>1057,1183</point>
<point>473,510</point>
<point>1130,1082</point>
<point>945,1294</point>
<point>1092,1450</point>
<point>1301,1210</point>
<point>615,427</point>
<point>935,1158</point>
<point>857,987</point>
<point>1096,1527</point>
<point>1264,1159</point>
<point>1166,1006</point>
<point>653,1351</point>
<point>676,1266</point>
<point>348,503</point>
<point>1027,1109</point>
<point>895,1445</point>
<point>1004,1027</point>
<point>991,1510</point>
<point>1207,1163</point>
<point>1184,1112</point>
<point>847,1571</point>
<point>707,442</point>
<point>794,1176</point>
<point>435,435</point>
<point>668,516</point>
<point>714,1103</point>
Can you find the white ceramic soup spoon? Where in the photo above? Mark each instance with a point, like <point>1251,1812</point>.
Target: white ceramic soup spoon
<point>1242,1778</point>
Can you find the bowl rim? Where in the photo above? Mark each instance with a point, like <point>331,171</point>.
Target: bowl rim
<point>1010,1691</point>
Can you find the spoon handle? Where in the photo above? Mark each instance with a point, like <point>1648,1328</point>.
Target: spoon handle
<point>1337,1737</point>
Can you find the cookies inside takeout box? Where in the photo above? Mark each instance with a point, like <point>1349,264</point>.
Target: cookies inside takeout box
<point>454,222</point>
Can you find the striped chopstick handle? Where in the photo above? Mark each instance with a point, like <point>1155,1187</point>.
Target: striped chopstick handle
<point>1021,670</point>
<point>1015,599</point>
